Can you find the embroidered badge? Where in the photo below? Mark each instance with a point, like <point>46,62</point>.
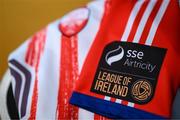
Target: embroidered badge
<point>128,71</point>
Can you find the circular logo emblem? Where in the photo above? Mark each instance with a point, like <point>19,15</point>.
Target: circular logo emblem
<point>141,90</point>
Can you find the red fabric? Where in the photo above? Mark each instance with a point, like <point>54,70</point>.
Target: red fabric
<point>137,21</point>
<point>167,36</point>
<point>68,77</point>
<point>33,56</point>
<point>149,22</point>
<point>99,117</point>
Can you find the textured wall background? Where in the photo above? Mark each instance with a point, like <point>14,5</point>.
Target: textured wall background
<point>19,19</point>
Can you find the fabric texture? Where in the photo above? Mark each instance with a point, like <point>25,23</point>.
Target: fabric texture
<point>61,60</point>
<point>45,68</point>
<point>150,23</point>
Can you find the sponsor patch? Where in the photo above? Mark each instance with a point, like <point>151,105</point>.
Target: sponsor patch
<point>128,71</point>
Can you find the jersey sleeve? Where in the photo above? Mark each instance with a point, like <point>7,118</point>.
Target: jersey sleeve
<point>18,83</point>
<point>132,68</point>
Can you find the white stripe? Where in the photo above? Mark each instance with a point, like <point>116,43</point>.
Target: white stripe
<point>131,20</point>
<point>48,75</point>
<point>156,22</point>
<point>144,20</point>
<point>22,86</point>
<point>85,115</point>
<point>88,34</point>
<point>118,101</point>
<point>130,104</point>
<point>141,27</point>
<point>153,29</point>
<point>85,40</point>
<point>107,98</point>
<point>129,25</point>
<point>13,84</point>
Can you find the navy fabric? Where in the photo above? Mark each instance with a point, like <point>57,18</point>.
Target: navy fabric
<point>109,109</point>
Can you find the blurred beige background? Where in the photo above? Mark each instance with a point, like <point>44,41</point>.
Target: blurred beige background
<point>19,19</point>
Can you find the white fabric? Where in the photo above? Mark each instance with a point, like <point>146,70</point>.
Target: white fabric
<point>85,40</point>
<point>49,67</point>
<point>4,84</point>
<point>49,74</point>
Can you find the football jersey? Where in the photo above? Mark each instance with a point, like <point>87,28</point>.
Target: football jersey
<point>44,70</point>
<point>121,59</point>
<point>132,68</point>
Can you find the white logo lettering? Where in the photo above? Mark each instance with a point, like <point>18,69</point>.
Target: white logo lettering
<point>135,54</point>
<point>111,59</point>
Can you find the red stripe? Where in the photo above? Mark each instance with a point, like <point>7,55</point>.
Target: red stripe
<point>99,117</point>
<point>134,29</point>
<point>33,55</point>
<point>68,76</point>
<point>35,91</point>
<point>30,51</point>
<point>124,102</point>
<point>107,6</point>
<point>113,100</point>
<point>37,40</point>
<point>148,26</point>
<point>150,21</point>
<point>34,101</point>
<point>137,21</point>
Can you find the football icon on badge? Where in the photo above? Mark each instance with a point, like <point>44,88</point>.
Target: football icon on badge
<point>141,90</point>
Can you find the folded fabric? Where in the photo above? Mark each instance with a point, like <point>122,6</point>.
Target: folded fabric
<point>132,68</point>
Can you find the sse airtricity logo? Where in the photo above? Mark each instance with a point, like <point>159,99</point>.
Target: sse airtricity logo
<point>114,55</point>
<point>128,71</point>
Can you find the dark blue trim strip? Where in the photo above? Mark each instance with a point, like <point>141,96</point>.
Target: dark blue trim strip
<point>18,85</point>
<point>26,90</point>
<point>109,109</point>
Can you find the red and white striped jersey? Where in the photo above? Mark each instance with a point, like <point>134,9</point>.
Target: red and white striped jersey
<point>44,70</point>
<point>132,68</point>
<point>121,59</point>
